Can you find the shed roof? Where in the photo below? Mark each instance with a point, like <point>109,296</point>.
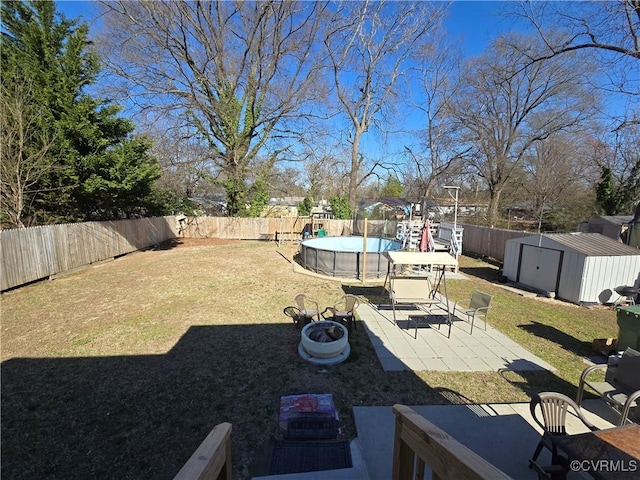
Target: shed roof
<point>591,244</point>
<point>618,220</point>
<point>393,202</point>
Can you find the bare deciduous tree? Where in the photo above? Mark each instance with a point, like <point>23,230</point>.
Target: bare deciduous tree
<point>554,172</point>
<point>609,27</point>
<point>612,26</point>
<point>326,174</point>
<point>323,161</point>
<point>285,181</point>
<point>369,44</point>
<point>617,156</point>
<point>234,72</point>
<point>437,152</point>
<point>505,108</point>
<point>25,154</point>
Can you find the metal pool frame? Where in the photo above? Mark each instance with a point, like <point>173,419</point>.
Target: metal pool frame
<point>344,260</point>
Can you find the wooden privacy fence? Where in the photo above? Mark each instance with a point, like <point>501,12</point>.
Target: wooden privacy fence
<point>259,228</point>
<point>488,242</point>
<point>30,254</point>
<point>33,253</point>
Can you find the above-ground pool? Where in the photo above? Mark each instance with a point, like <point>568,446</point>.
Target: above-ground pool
<point>342,256</point>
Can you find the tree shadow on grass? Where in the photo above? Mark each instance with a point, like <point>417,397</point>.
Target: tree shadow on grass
<point>168,244</point>
<point>567,342</point>
<point>486,273</point>
<point>535,381</point>
<point>489,269</point>
<point>375,294</point>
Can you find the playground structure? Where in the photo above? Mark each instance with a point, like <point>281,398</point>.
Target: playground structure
<point>416,235</point>
<point>414,227</point>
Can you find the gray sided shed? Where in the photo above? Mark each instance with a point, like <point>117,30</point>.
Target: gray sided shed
<point>609,226</point>
<point>582,268</point>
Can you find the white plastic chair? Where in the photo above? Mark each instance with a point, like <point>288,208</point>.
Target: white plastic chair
<point>344,309</point>
<point>553,409</point>
<point>308,307</point>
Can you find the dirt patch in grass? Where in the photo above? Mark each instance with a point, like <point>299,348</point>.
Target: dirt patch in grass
<point>200,242</point>
<point>120,370</point>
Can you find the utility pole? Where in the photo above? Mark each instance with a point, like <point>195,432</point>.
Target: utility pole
<point>448,188</point>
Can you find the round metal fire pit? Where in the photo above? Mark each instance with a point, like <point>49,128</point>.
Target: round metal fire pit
<point>327,351</point>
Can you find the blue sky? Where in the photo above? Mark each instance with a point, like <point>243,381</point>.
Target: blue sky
<point>477,22</point>
<point>73,9</point>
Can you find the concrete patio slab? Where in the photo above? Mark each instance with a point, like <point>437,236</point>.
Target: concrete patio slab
<point>484,350</point>
<point>503,434</point>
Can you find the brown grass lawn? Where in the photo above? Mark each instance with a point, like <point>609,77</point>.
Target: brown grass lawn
<point>120,370</point>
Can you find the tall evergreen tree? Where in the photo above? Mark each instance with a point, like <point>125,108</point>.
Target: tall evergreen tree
<point>100,171</point>
<point>392,188</point>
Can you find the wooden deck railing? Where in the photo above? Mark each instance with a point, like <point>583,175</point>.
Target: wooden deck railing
<point>212,459</point>
<point>448,459</point>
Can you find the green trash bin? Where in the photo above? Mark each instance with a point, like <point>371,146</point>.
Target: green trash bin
<point>629,327</point>
<point>322,232</point>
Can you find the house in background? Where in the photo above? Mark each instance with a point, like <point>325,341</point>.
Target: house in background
<point>582,268</point>
<point>444,207</point>
<point>391,208</point>
<point>288,207</point>
<point>608,225</point>
<point>213,205</point>
<point>282,207</point>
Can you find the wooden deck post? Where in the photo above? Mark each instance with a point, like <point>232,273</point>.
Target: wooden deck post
<point>419,442</point>
<point>212,459</point>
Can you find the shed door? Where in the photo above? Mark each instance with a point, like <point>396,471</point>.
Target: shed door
<point>539,268</point>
